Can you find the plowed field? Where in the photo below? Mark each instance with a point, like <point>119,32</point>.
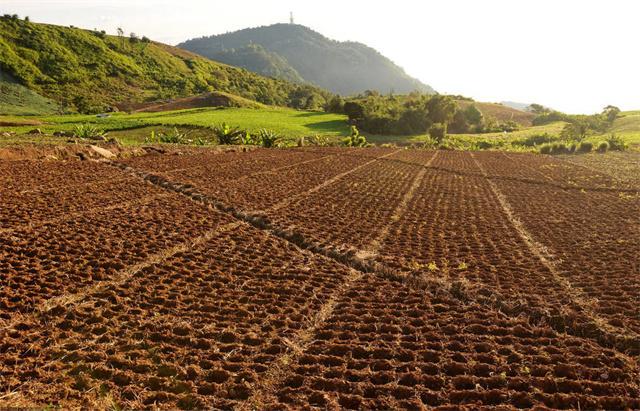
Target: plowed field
<point>319,278</point>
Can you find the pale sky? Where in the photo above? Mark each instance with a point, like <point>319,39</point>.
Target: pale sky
<point>575,56</point>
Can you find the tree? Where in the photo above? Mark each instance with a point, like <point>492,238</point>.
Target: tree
<point>473,115</point>
<point>438,132</point>
<point>26,19</point>
<point>335,105</point>
<point>441,109</point>
<point>121,36</point>
<point>576,130</point>
<point>611,113</point>
<point>538,109</point>
<point>354,110</point>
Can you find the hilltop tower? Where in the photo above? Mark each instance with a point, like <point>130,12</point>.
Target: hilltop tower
<point>291,18</point>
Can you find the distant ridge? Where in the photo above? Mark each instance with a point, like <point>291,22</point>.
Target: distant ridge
<point>289,51</point>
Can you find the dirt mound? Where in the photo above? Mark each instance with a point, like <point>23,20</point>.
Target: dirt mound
<point>214,99</point>
<point>67,152</point>
<point>21,122</point>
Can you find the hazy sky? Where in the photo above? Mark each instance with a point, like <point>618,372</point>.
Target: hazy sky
<point>575,56</point>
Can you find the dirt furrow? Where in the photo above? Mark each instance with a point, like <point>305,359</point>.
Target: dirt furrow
<point>66,300</point>
<point>285,202</point>
<point>374,247</point>
<point>547,259</point>
<point>93,211</point>
<point>277,372</point>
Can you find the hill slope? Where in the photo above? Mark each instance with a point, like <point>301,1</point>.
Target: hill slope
<point>90,71</point>
<point>16,99</point>
<point>342,67</point>
<point>501,112</point>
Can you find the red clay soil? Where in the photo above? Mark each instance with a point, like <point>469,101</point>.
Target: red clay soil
<point>196,331</point>
<point>391,347</point>
<point>594,236</point>
<point>493,282</point>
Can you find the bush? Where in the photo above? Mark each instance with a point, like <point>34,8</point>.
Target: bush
<point>559,148</point>
<point>355,139</point>
<point>616,143</point>
<point>603,147</point>
<point>545,149</point>
<point>438,132</point>
<point>585,147</point>
<point>536,140</point>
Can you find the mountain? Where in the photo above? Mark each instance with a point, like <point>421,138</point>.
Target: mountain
<point>342,67</point>
<point>256,58</point>
<point>90,71</point>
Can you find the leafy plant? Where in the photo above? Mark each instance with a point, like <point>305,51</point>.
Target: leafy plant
<point>267,138</point>
<point>173,137</point>
<point>227,135</point>
<point>616,143</point>
<point>355,139</point>
<point>317,140</point>
<point>88,131</point>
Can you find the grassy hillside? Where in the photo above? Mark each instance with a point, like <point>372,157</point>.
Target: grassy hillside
<point>342,67</point>
<point>90,71</point>
<point>19,100</point>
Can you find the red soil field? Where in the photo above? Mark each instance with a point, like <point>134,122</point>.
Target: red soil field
<point>327,278</point>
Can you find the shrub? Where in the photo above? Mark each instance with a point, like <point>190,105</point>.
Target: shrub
<point>438,132</point>
<point>545,149</point>
<point>355,139</point>
<point>603,146</point>
<point>559,148</point>
<point>572,147</point>
<point>227,135</point>
<point>88,131</point>
<point>536,140</point>
<point>616,143</point>
<point>585,147</point>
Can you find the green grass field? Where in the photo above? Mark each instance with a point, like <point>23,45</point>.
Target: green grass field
<point>289,124</point>
<point>134,128</point>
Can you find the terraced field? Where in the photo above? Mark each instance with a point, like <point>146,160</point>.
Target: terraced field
<point>328,278</point>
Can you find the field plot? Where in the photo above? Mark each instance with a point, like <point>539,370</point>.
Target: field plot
<point>40,262</point>
<point>391,347</point>
<point>330,278</point>
<point>594,236</point>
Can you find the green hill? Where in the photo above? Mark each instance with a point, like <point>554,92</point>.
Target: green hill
<point>90,71</point>
<point>16,99</point>
<point>342,67</point>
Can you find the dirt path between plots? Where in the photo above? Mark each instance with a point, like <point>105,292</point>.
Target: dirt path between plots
<point>547,259</point>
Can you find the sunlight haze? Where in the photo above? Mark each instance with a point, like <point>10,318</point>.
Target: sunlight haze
<point>574,56</point>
